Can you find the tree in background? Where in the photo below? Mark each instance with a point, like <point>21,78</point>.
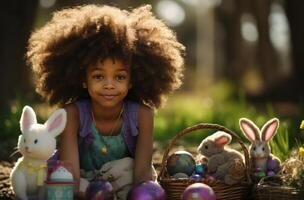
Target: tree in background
<point>240,56</point>
<point>16,20</point>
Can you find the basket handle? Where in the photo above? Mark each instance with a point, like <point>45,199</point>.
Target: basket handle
<point>206,126</point>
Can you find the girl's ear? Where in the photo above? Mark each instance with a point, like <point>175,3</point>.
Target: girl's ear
<point>270,129</point>
<point>250,130</point>
<point>222,138</point>
<point>56,123</point>
<point>84,85</point>
<point>130,86</point>
<point>28,118</point>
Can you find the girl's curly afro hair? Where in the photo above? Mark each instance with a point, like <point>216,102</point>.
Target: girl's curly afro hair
<point>76,37</point>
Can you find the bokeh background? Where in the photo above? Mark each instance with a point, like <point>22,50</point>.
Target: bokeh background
<point>244,58</point>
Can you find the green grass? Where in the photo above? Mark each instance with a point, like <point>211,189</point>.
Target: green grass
<point>220,104</point>
<point>9,126</point>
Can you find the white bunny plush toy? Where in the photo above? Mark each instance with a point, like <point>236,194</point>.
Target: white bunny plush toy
<point>36,144</point>
<point>224,163</point>
<point>260,153</point>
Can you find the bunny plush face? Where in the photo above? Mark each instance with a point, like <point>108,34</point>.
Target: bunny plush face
<point>259,139</point>
<point>214,144</point>
<point>38,140</point>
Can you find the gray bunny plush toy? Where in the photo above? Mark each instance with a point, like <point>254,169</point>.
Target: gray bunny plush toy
<point>222,162</point>
<point>264,163</point>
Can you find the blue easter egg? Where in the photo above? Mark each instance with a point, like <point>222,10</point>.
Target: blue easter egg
<point>180,162</point>
<point>196,176</point>
<point>200,169</point>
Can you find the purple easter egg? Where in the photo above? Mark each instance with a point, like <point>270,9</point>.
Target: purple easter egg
<point>198,191</point>
<point>273,165</point>
<point>271,173</point>
<point>148,190</point>
<point>100,190</point>
<point>196,176</point>
<point>258,169</point>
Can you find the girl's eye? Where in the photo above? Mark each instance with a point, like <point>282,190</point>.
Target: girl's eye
<point>97,77</point>
<point>36,141</point>
<point>120,77</point>
<point>254,148</point>
<point>263,148</point>
<point>206,147</point>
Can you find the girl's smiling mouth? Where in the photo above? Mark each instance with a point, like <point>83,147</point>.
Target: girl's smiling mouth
<point>109,96</point>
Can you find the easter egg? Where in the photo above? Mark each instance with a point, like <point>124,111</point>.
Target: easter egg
<point>148,190</point>
<point>196,176</point>
<point>211,177</point>
<point>100,190</point>
<point>180,162</point>
<point>258,169</point>
<point>260,174</point>
<point>200,169</point>
<point>273,165</point>
<point>198,191</point>
<point>180,175</point>
<point>271,173</point>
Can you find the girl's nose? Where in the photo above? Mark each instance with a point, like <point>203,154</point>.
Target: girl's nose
<point>108,84</point>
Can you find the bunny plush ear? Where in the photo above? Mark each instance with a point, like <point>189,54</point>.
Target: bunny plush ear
<point>221,138</point>
<point>270,129</point>
<point>56,123</point>
<point>27,119</point>
<point>250,130</point>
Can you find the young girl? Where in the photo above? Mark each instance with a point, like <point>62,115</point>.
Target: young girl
<point>109,68</point>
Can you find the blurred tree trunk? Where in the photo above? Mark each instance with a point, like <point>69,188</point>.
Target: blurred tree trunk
<point>229,14</point>
<point>16,20</point>
<point>295,15</point>
<point>240,55</point>
<point>265,52</point>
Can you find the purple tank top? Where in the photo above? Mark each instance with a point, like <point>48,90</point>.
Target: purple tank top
<point>85,135</point>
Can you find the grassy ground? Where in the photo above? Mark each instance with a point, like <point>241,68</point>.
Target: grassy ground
<point>220,104</point>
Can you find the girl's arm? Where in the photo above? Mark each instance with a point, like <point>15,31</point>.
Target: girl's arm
<point>144,146</point>
<point>68,149</point>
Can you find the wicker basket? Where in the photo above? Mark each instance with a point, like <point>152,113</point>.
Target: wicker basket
<point>175,187</point>
<point>269,190</point>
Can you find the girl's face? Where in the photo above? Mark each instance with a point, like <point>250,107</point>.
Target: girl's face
<point>108,82</point>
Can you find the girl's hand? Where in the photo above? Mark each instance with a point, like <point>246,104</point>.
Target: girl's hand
<point>118,172</point>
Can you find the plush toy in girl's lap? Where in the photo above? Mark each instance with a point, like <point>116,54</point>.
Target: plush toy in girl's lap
<point>36,144</point>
